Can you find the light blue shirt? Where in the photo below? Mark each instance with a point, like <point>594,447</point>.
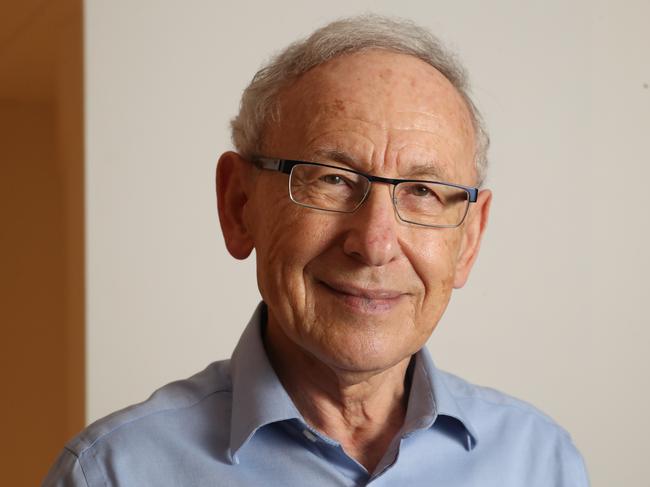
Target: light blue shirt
<point>234,425</point>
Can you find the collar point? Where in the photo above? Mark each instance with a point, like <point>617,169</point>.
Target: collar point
<point>471,442</point>
<point>232,457</point>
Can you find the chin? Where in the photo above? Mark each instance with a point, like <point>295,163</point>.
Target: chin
<point>362,355</point>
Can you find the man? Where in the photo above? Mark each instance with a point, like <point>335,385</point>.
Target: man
<point>356,181</point>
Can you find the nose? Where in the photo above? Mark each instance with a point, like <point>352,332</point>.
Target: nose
<point>372,236</point>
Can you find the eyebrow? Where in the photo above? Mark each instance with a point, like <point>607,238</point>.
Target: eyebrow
<point>426,170</point>
<point>338,156</point>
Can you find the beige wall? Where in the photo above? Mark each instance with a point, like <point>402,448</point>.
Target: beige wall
<point>554,312</point>
<point>41,235</point>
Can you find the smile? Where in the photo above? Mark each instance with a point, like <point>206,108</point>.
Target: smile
<point>372,301</point>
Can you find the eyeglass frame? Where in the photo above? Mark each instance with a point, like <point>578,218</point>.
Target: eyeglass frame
<point>285,166</point>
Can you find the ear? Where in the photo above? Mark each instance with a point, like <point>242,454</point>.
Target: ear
<point>474,227</point>
<point>233,181</point>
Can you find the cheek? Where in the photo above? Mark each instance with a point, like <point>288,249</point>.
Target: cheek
<point>435,264</point>
<point>283,250</point>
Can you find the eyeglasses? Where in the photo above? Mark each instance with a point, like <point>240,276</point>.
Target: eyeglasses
<point>331,188</point>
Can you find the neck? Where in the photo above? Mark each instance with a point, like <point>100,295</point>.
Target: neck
<point>362,410</point>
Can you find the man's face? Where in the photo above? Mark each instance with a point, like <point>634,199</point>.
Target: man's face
<point>361,292</point>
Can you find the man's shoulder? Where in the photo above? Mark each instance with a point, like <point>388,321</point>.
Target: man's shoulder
<point>488,405</point>
<point>173,400</point>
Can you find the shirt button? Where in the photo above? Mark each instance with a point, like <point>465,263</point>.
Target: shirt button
<point>309,435</point>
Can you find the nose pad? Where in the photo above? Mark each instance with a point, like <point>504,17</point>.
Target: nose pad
<point>372,236</point>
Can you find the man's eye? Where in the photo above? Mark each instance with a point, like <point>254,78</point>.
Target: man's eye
<point>333,179</point>
<point>421,190</point>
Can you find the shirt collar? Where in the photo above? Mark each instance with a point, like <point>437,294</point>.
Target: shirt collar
<point>431,399</point>
<point>258,397</point>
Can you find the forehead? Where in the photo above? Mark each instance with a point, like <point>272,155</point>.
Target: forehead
<point>380,108</point>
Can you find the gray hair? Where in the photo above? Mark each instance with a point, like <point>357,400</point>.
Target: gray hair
<point>346,36</point>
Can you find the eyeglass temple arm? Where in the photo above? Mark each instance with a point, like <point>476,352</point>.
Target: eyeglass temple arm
<point>281,165</point>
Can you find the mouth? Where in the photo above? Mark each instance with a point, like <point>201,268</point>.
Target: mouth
<point>370,301</point>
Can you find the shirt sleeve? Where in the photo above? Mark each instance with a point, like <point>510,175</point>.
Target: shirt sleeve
<point>579,470</point>
<point>565,467</point>
<point>66,472</point>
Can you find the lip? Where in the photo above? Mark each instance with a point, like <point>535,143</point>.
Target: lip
<point>364,300</point>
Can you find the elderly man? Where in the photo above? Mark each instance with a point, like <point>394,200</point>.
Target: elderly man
<point>356,181</point>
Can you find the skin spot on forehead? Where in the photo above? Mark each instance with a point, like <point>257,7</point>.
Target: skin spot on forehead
<point>386,73</point>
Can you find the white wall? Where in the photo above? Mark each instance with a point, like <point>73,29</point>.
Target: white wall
<point>554,312</point>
